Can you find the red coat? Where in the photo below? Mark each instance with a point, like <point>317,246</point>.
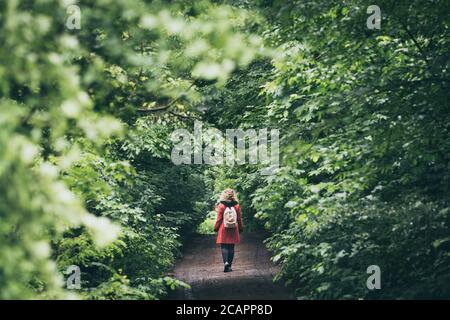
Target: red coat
<point>228,235</point>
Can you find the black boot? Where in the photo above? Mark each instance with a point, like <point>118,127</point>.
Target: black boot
<point>226,267</point>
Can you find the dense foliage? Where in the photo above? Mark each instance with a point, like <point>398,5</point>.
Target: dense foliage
<point>86,116</point>
<point>365,147</point>
<point>85,176</point>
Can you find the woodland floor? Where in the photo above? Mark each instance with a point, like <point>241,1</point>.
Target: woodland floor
<point>252,276</point>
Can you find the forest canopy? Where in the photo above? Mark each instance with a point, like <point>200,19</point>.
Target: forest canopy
<point>91,91</point>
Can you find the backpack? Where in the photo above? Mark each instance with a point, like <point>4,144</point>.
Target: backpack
<point>230,217</point>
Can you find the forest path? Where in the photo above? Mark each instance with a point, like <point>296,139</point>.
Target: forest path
<point>252,276</point>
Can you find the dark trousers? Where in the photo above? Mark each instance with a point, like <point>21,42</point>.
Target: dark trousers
<point>227,252</point>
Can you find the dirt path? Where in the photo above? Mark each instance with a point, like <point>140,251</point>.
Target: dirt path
<point>251,278</point>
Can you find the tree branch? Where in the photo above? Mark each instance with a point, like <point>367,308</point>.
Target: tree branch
<point>184,117</point>
<point>165,107</point>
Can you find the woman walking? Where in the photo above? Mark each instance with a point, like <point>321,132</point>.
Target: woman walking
<point>228,225</point>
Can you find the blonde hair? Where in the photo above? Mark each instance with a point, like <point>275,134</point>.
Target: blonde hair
<point>225,193</point>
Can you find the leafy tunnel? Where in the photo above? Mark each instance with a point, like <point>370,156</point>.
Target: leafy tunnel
<point>95,95</point>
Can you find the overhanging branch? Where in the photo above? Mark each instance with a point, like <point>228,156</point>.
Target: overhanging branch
<point>165,107</point>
